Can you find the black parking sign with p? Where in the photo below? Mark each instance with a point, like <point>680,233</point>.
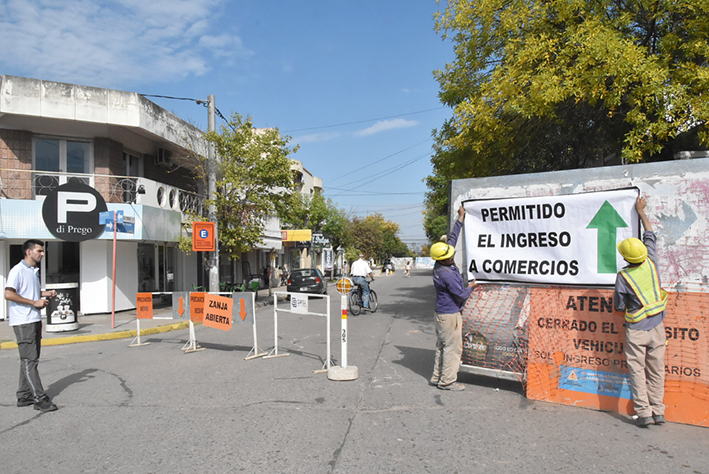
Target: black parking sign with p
<point>71,212</point>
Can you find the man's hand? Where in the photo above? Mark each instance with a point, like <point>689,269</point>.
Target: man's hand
<point>473,283</point>
<point>50,294</point>
<point>640,205</point>
<point>461,213</point>
<point>40,303</point>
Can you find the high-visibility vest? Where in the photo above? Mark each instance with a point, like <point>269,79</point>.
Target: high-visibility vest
<point>645,282</point>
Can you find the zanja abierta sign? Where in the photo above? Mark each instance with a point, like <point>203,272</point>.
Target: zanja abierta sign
<point>71,212</point>
<point>560,240</point>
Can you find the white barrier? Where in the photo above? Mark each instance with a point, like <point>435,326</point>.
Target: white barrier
<point>297,307</point>
<point>181,304</point>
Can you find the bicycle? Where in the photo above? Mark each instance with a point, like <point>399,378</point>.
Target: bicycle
<point>355,304</point>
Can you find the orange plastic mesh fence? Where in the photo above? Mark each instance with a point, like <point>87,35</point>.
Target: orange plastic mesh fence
<point>567,345</point>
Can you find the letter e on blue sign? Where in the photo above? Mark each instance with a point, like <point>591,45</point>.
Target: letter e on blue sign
<point>204,237</point>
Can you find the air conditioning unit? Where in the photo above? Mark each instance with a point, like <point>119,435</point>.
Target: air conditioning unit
<point>163,158</point>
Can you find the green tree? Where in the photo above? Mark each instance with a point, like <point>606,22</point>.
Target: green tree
<point>561,84</point>
<point>254,178</point>
<point>375,237</point>
<point>317,214</point>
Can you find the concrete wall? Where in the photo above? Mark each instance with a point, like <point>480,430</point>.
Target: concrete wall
<point>678,203</point>
<point>72,102</point>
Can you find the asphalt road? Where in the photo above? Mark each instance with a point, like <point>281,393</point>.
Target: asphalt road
<point>154,409</point>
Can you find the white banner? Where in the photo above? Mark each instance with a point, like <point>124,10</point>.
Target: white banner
<point>560,240</point>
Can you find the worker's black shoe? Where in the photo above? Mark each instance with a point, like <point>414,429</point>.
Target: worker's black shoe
<point>643,421</point>
<point>658,419</point>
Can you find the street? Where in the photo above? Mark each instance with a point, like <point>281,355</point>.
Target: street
<point>155,409</point>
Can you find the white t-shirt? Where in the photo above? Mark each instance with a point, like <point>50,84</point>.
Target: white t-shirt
<point>360,268</point>
<point>25,281</point>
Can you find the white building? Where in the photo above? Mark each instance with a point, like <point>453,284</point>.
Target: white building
<point>133,152</point>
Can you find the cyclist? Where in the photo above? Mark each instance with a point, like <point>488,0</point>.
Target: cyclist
<point>360,271</point>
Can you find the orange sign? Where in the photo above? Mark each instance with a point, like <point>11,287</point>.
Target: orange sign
<point>196,306</point>
<point>217,312</point>
<point>144,305</point>
<point>577,357</point>
<point>204,237</point>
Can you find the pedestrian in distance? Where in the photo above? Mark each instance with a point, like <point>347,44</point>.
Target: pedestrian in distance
<point>451,295</point>
<point>26,299</point>
<point>639,295</point>
<point>407,268</point>
<point>360,271</point>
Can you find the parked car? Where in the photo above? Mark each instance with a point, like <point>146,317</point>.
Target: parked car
<point>307,280</point>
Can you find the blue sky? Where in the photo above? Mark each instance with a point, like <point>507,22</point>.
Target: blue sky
<point>306,67</point>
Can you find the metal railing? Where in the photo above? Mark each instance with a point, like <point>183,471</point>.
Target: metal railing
<point>31,184</point>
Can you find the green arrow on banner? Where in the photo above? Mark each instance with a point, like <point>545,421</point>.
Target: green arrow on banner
<point>607,221</point>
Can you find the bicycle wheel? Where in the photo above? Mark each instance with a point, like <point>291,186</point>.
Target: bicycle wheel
<point>354,304</point>
<point>373,302</point>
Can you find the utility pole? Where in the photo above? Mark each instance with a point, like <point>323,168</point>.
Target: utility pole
<point>212,188</point>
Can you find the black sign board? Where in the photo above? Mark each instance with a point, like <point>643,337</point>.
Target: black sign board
<point>71,212</point>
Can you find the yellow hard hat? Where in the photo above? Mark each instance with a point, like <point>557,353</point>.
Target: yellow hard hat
<point>441,251</point>
<point>633,250</point>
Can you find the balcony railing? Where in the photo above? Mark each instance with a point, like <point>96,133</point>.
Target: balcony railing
<point>32,184</point>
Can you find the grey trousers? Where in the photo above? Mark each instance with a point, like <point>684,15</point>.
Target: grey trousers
<point>29,343</point>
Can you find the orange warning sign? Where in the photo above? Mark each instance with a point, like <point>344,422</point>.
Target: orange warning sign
<point>217,312</point>
<point>144,305</point>
<point>196,306</point>
<point>576,353</point>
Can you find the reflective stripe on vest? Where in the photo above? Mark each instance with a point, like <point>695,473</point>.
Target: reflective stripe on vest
<point>645,282</point>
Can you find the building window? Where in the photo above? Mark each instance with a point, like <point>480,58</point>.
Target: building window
<point>69,159</point>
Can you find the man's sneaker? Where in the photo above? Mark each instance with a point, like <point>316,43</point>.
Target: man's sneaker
<point>643,421</point>
<point>25,402</point>
<point>658,419</point>
<point>433,384</point>
<point>45,405</point>
<point>456,387</point>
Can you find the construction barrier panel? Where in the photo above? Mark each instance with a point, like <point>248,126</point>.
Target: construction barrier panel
<point>211,309</point>
<point>577,357</point>
<point>299,303</point>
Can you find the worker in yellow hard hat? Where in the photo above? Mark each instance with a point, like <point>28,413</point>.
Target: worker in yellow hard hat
<point>451,296</point>
<point>639,295</point>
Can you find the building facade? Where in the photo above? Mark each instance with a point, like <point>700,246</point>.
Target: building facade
<point>138,156</point>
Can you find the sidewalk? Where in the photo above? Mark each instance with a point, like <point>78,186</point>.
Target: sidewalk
<point>97,327</point>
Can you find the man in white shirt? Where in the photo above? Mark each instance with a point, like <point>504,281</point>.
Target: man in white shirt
<point>25,297</point>
<point>360,271</point>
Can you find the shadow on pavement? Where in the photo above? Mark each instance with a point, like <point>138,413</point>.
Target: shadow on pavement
<point>60,385</point>
<point>417,360</point>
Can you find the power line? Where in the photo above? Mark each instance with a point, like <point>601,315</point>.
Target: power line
<point>386,172</point>
<point>361,121</point>
<point>198,101</point>
<point>382,159</point>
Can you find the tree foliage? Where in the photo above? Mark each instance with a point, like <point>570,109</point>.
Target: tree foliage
<point>317,214</point>
<point>540,85</point>
<point>375,237</point>
<point>253,179</point>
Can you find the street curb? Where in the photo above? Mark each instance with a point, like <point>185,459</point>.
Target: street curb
<point>103,337</point>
